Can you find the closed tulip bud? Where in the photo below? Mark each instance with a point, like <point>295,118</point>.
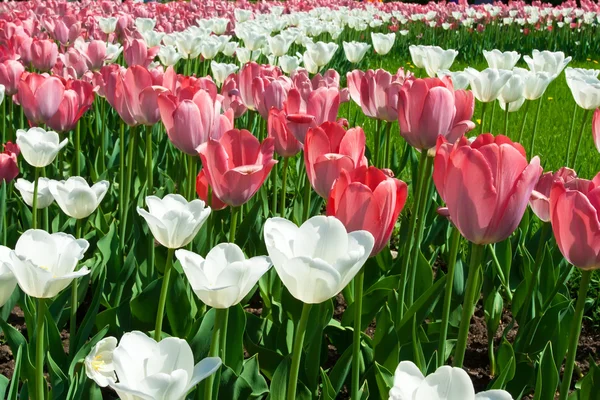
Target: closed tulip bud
<point>355,51</point>
<point>329,149</point>
<point>540,197</point>
<point>220,71</point>
<point>487,84</point>
<point>172,220</point>
<point>383,43</point>
<point>44,197</point>
<point>10,75</point>
<point>575,218</point>
<point>286,144</point>
<point>9,168</point>
<point>44,264</point>
<point>547,61</point>
<point>486,185</point>
<point>432,58</point>
<point>268,92</point>
<point>225,277</point>
<point>141,368</point>
<point>40,97</point>
<point>368,199</point>
<point>501,60</point>
<point>237,165</point>
<point>318,259</point>
<point>108,24</point>
<point>76,198</point>
<point>39,147</point>
<point>44,54</point>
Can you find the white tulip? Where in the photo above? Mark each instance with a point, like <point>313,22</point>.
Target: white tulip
<point>26,188</point>
<point>168,55</point>
<point>460,79</point>
<point>173,221</point>
<point>229,48</point>
<point>76,198</point>
<point>487,84</point>
<point>152,38</point>
<point>8,282</point>
<point>547,61</point>
<point>244,55</point>
<point>145,24</point>
<point>289,64</point>
<point>432,58</point>
<point>146,369</point>
<point>39,147</point>
<point>513,89</point>
<point>581,73</point>
<point>445,383</point>
<point>513,106</point>
<point>210,48</point>
<point>188,44</point>
<point>321,53</point>
<point>242,15</point>
<point>355,51</point>
<point>113,50</point>
<point>44,264</point>
<point>585,90</point>
<point>99,365</point>
<point>501,60</point>
<point>279,45</point>
<point>220,71</point>
<point>383,43</point>
<point>309,64</point>
<point>108,24</point>
<point>219,25</point>
<point>536,83</point>
<point>254,40</point>
<point>318,259</point>
<point>225,277</point>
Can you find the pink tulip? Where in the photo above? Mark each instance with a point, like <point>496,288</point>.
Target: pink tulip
<point>328,150</point>
<point>40,96</point>
<point>137,53</point>
<point>268,92</point>
<point>202,192</point>
<point>368,199</point>
<point>246,78</point>
<point>596,128</point>
<point>77,99</point>
<point>75,62</point>
<point>575,218</point>
<point>44,54</point>
<point>237,165</point>
<point>540,197</point>
<point>95,54</point>
<point>141,95</point>
<point>231,96</point>
<point>428,108</point>
<point>286,145</point>
<point>486,185</point>
<point>10,75</point>
<point>9,169</point>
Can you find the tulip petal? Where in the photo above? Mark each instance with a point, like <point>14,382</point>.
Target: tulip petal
<point>309,280</point>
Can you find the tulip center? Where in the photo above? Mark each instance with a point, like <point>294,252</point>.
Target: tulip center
<point>97,363</point>
<point>333,156</point>
<point>248,169</point>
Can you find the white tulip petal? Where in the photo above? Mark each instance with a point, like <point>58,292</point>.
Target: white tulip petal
<point>407,379</point>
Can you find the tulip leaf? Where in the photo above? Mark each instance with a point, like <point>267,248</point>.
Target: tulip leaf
<point>279,383</point>
<point>506,364</point>
<point>145,305</point>
<point>384,379</point>
<point>13,391</point>
<point>327,391</point>
<point>3,386</point>
<point>320,315</point>
<point>421,307</point>
<point>16,341</point>
<point>179,306</point>
<point>58,379</point>
<point>373,300</point>
<point>386,344</point>
<point>340,371</point>
<point>250,384</point>
<point>589,386</point>
<point>55,345</point>
<point>86,326</point>
<point>270,359</point>
<point>547,376</point>
<point>235,346</point>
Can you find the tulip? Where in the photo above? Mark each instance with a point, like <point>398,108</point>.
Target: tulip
<point>383,43</point>
<point>513,90</point>
<point>321,53</point>
<point>368,199</point>
<point>9,168</point>
<point>460,79</point>
<point>245,56</point>
<point>168,55</point>
<point>152,38</point>
<point>230,48</point>
<point>487,84</point>
<point>536,83</point>
<point>10,75</point>
<point>76,198</point>
<point>141,95</point>
<point>286,144</point>
<point>145,24</point>
<point>237,165</point>
<point>596,129</point>
<point>77,100</point>
<point>147,369</point>
<point>172,220</point>
<point>540,197</point>
<point>210,48</point>
<point>137,53</point>
<point>8,282</point>
<point>427,108</point>
<point>112,52</point>
<point>44,54</point>
<point>268,93</point>
<point>445,383</point>
<point>355,51</point>
<point>202,192</point>
<point>501,60</point>
<point>575,218</point>
<point>39,147</point>
<point>289,64</point>
<point>221,71</point>
<point>40,97</point>
<point>279,45</point>
<point>329,149</point>
<point>26,188</point>
<point>547,61</point>
<point>231,96</point>
<point>432,58</point>
<point>225,277</point>
<point>246,78</point>
<point>585,90</point>
<point>107,24</point>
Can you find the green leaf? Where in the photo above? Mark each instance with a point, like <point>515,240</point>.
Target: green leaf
<point>58,380</point>
<point>235,346</point>
<point>340,370</point>
<point>16,341</point>
<point>249,385</point>
<point>493,313</point>
<point>506,364</point>
<point>421,307</point>
<point>86,326</point>
<point>3,380</point>
<point>179,306</point>
<point>145,306</point>
<point>13,391</point>
<point>269,359</point>
<point>386,344</point>
<point>384,378</point>
<point>279,383</point>
<point>547,377</point>
<point>589,386</point>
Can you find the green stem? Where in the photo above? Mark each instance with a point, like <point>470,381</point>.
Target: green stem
<point>286,161</point>
<point>126,201</point>
<point>506,106</point>
<point>483,107</point>
<point>586,277</point>
<point>408,245</point>
<point>388,145</point>
<point>583,123</point>
<point>102,136</point>
<point>77,171</point>
<point>492,118</point>
<point>35,198</point>
<point>307,193</point>
<point>3,216</point>
<point>297,351</point>
<point>274,189</point>
<point>233,226</point>
<point>539,259</point>
<point>191,188</point>
<point>377,143</point>
<point>498,268</point>
<point>454,243</point>
<point>220,319</point>
<point>4,122</point>
<point>163,295</point>
<point>471,293</point>
<point>535,126</point>
<point>39,350</point>
<point>527,104</point>
<point>358,291</point>
<point>74,297</point>
<point>149,191</point>
<point>121,174</point>
<point>568,155</point>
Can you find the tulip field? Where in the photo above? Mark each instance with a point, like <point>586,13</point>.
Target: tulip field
<point>299,200</point>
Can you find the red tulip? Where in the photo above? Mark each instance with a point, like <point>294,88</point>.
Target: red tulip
<point>40,96</point>
<point>596,128</point>
<point>328,150</point>
<point>237,165</point>
<point>540,197</point>
<point>202,191</point>
<point>10,75</point>
<point>9,169</point>
<point>77,99</point>
<point>44,54</point>
<point>286,145</point>
<point>575,218</point>
<point>246,78</point>
<point>486,185</point>
<point>428,108</point>
<point>368,199</point>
